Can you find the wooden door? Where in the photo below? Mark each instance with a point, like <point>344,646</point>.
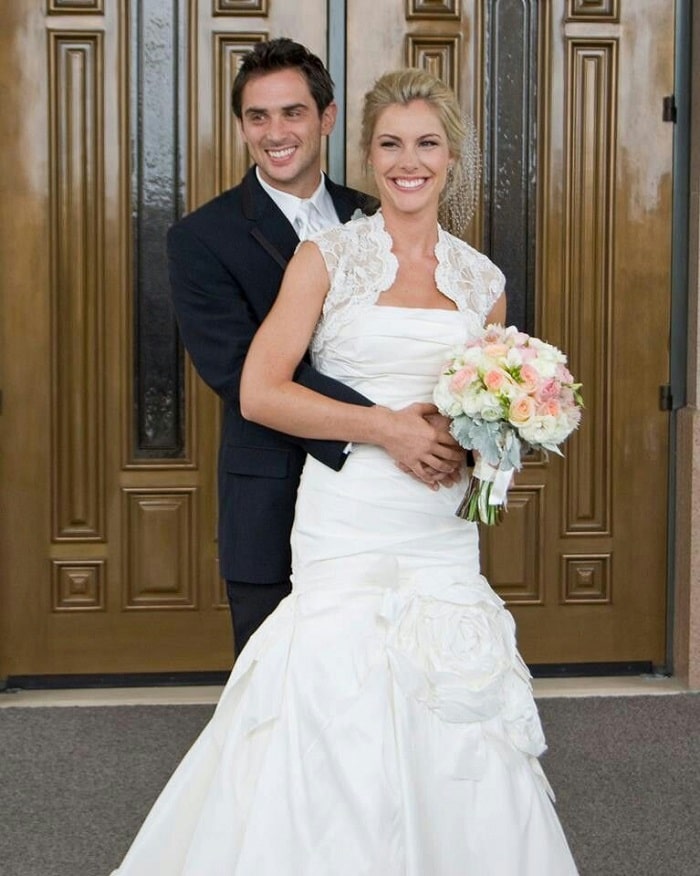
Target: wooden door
<point>589,580</point>
<point>119,120</point>
<point>568,97</point>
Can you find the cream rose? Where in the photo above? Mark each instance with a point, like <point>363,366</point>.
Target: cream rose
<point>495,351</point>
<point>521,410</point>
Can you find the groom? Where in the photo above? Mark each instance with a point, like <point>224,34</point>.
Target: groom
<point>226,264</point>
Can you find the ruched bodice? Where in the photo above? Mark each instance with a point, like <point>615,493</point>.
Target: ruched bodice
<point>392,354</point>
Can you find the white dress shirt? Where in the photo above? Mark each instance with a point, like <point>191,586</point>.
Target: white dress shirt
<point>305,215</point>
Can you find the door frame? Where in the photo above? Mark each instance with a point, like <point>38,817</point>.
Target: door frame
<point>680,296</point>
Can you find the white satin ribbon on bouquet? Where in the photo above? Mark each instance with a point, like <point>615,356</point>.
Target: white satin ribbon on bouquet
<point>500,478</point>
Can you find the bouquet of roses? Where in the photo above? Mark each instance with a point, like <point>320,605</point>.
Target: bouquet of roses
<point>506,392</point>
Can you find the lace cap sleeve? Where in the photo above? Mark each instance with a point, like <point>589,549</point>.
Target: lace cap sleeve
<point>467,276</point>
<point>360,267</point>
<point>328,243</point>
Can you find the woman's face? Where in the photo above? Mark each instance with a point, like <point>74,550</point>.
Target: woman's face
<point>409,156</point>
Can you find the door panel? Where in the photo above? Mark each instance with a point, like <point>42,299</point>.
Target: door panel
<point>107,473</point>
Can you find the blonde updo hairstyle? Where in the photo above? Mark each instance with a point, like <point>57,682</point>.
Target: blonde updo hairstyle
<point>403,87</point>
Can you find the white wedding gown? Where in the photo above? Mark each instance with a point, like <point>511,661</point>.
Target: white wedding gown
<point>381,721</point>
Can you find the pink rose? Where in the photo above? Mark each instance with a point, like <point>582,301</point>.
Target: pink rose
<point>495,379</point>
<point>566,397</point>
<point>462,378</point>
<point>563,374</point>
<point>529,378</point>
<point>549,408</point>
<point>521,411</point>
<point>548,390</point>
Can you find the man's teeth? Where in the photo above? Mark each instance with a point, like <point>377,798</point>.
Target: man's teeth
<point>280,153</point>
<point>409,183</point>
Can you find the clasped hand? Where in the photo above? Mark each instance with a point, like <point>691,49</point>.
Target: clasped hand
<point>421,445</point>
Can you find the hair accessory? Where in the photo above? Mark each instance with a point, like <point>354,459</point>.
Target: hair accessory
<point>461,193</point>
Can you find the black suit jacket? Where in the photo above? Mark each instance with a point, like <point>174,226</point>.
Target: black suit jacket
<point>226,262</point>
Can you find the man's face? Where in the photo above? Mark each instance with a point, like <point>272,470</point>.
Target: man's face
<point>280,123</point>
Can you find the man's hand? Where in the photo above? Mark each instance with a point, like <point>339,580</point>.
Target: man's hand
<point>419,441</point>
<point>440,479</point>
<point>442,424</point>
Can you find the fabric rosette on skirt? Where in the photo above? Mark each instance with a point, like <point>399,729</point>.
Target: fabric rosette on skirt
<point>451,646</point>
<point>452,657</point>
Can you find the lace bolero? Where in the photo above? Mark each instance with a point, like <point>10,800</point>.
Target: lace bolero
<point>361,266</point>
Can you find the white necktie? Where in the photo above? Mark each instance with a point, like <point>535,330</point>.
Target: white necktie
<point>308,220</point>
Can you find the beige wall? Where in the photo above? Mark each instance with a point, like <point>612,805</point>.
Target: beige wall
<point>687,594</point>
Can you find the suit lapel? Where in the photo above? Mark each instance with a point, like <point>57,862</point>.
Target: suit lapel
<point>270,227</point>
<point>269,247</point>
<point>344,204</point>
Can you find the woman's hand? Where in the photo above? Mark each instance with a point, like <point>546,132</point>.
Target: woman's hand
<point>451,457</point>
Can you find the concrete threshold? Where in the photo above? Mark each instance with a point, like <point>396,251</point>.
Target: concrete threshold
<point>208,695</point>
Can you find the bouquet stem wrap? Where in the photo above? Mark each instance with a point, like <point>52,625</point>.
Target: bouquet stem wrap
<point>487,494</point>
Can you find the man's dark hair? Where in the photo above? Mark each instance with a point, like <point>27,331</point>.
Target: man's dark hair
<point>283,54</point>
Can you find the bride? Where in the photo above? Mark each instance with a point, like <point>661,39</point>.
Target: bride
<point>381,721</point>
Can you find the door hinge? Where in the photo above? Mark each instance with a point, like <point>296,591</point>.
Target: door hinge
<point>670,111</point>
<point>665,397</point>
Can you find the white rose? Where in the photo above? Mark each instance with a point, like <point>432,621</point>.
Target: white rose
<point>491,408</point>
<point>514,357</point>
<point>472,403</point>
<point>445,400</point>
<point>545,430</point>
<point>472,356</point>
<point>548,357</point>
